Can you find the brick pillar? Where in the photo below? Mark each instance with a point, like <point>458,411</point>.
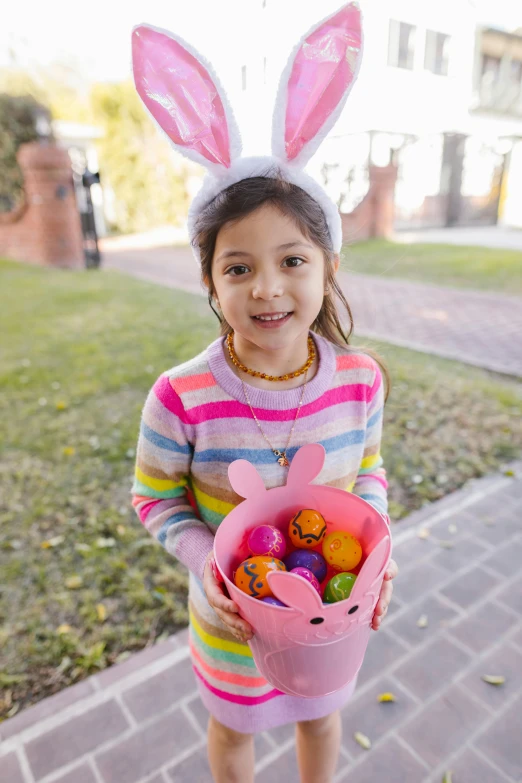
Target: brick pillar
<point>47,230</point>
<point>382,190</point>
<point>374,216</point>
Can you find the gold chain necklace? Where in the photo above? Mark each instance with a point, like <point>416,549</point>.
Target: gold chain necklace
<point>306,366</point>
<point>279,455</point>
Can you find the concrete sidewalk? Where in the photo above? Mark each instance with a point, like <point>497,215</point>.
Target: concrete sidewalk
<point>501,237</point>
<point>143,722</point>
<point>474,327</point>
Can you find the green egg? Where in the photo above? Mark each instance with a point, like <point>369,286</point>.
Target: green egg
<point>338,588</point>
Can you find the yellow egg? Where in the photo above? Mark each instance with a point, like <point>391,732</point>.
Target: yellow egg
<point>307,529</point>
<point>342,551</point>
<point>252,575</point>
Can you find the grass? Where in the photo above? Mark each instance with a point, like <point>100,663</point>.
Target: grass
<point>83,584</point>
<point>478,268</point>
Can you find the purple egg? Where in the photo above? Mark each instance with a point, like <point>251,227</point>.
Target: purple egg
<point>306,558</point>
<point>267,540</point>
<point>308,575</point>
<point>269,599</point>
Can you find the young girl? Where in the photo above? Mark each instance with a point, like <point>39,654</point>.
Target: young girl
<point>281,375</point>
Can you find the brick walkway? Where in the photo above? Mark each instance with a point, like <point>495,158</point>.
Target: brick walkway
<point>142,721</point>
<point>474,327</point>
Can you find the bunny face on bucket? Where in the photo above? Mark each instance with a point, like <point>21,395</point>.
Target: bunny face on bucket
<point>315,623</point>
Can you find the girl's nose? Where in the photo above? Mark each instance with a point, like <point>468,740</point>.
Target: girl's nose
<point>266,287</point>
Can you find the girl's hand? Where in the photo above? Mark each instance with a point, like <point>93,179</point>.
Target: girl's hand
<point>385,596</point>
<point>226,610</point>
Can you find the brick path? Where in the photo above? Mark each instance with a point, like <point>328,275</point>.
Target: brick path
<point>142,721</point>
<point>474,327</point>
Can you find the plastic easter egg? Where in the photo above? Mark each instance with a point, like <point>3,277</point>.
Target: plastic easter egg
<point>267,540</point>
<point>338,588</point>
<point>307,528</point>
<point>342,551</point>
<point>251,575</point>
<point>308,575</point>
<point>307,558</point>
<point>269,599</point>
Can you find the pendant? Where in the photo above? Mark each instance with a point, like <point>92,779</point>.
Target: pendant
<point>283,461</point>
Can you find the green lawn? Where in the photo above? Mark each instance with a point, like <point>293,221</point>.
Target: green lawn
<point>464,267</point>
<point>82,583</point>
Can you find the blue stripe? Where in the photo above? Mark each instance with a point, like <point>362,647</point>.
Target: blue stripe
<point>375,500</point>
<point>265,456</point>
<point>375,418</point>
<point>162,442</point>
<point>181,516</point>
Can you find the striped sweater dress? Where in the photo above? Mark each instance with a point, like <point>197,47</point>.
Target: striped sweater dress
<point>195,422</point>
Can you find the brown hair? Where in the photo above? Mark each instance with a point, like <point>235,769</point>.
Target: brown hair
<point>244,197</point>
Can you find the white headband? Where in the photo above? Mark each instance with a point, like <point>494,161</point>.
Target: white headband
<point>185,99</point>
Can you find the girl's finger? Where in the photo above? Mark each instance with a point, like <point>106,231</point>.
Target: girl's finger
<point>391,571</point>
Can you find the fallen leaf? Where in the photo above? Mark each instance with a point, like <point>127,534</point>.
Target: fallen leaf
<point>423,532</point>
<point>422,622</point>
<point>69,451</point>
<point>385,697</point>
<point>51,542</point>
<point>64,628</point>
<point>73,582</point>
<point>362,740</point>
<point>494,679</point>
<point>101,611</point>
<point>452,529</point>
<point>448,777</point>
<point>446,544</point>
<point>509,473</point>
<point>61,405</point>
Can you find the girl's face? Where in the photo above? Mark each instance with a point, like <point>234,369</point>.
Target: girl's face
<point>269,278</point>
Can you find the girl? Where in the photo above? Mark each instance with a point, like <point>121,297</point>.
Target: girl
<point>281,375</point>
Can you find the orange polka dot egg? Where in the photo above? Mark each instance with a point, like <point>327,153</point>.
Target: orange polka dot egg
<point>307,529</point>
<point>342,551</point>
<point>252,575</point>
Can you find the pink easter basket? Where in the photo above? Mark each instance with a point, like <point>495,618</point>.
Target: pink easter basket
<point>306,648</point>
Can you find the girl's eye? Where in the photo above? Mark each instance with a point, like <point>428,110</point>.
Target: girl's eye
<point>236,271</point>
<point>293,261</point>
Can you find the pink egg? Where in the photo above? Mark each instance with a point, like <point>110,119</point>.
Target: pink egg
<point>308,575</point>
<point>267,540</point>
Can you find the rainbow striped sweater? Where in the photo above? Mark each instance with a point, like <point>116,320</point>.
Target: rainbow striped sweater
<point>195,422</point>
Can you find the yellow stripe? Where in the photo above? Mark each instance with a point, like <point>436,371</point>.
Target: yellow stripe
<point>219,506</point>
<point>219,644</point>
<point>159,484</point>
<point>369,462</point>
<point>350,486</point>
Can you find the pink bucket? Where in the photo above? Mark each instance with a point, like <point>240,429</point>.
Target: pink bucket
<point>306,648</point>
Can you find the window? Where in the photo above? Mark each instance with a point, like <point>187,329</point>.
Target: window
<point>401,44</point>
<point>436,53</point>
<point>243,77</point>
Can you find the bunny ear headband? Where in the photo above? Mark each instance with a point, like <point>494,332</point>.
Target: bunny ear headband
<point>184,97</point>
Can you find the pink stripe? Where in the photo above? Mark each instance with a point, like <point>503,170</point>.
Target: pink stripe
<point>193,382</point>
<point>373,477</point>
<point>235,679</point>
<point>377,382</point>
<point>168,398</point>
<point>238,699</point>
<point>231,409</point>
<point>348,361</point>
<point>145,510</point>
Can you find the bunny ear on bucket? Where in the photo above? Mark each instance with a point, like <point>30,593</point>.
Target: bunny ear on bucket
<point>315,84</point>
<point>183,95</point>
<point>306,464</point>
<point>245,480</point>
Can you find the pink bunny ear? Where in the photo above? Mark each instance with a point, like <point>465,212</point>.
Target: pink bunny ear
<point>315,84</point>
<point>306,464</point>
<point>245,480</point>
<point>295,592</point>
<point>184,97</point>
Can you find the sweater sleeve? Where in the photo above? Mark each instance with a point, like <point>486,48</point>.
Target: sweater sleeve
<point>160,492</point>
<point>371,483</point>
